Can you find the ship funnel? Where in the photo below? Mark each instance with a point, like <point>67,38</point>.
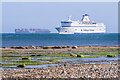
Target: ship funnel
<point>85,18</point>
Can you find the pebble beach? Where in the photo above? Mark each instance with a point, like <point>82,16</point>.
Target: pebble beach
<point>68,71</point>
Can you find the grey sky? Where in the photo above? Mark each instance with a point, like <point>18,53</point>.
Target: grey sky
<point>49,14</point>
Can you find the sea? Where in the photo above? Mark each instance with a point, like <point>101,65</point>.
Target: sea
<point>55,39</point>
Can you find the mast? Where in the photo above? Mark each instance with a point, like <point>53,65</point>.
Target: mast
<point>69,18</point>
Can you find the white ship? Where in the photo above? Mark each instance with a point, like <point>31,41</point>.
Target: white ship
<point>83,26</point>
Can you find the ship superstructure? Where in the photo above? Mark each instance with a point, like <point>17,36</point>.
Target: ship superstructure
<point>80,26</point>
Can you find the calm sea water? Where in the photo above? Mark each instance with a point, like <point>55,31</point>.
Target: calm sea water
<point>54,39</point>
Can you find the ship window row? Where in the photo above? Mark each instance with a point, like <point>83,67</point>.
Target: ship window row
<point>66,22</point>
<point>86,30</point>
<point>78,26</point>
<point>87,23</point>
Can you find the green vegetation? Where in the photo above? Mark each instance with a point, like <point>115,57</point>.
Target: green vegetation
<point>9,58</point>
<point>14,57</point>
<point>68,55</point>
<point>51,59</point>
<point>92,56</point>
<point>100,53</point>
<point>80,56</point>
<point>107,49</point>
<point>64,55</point>
<point>27,60</point>
<point>57,55</point>
<point>15,63</point>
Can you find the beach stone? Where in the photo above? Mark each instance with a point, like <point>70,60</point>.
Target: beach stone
<point>17,47</point>
<point>32,55</point>
<point>73,54</point>
<point>6,47</point>
<point>64,47</point>
<point>110,55</point>
<point>31,47</point>
<point>57,47</point>
<point>74,47</point>
<point>93,65</point>
<point>22,66</point>
<point>39,55</point>
<point>46,47</point>
<point>39,47</point>
<point>24,47</point>
<point>68,46</point>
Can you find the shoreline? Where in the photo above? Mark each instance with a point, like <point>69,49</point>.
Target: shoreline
<point>58,46</point>
<point>59,49</point>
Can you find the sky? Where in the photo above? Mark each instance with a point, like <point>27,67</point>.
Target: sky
<point>47,15</point>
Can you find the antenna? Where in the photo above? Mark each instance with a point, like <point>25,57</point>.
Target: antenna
<point>69,18</point>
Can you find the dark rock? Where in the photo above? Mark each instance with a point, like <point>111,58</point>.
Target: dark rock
<point>32,55</point>
<point>68,46</point>
<point>22,66</point>
<point>26,58</point>
<point>6,47</point>
<point>65,65</point>
<point>110,55</point>
<point>45,47</point>
<point>63,47</point>
<point>39,55</point>
<point>57,47</point>
<point>74,47</point>
<point>17,47</point>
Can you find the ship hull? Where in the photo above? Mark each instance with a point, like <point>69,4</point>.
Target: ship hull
<point>80,30</point>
